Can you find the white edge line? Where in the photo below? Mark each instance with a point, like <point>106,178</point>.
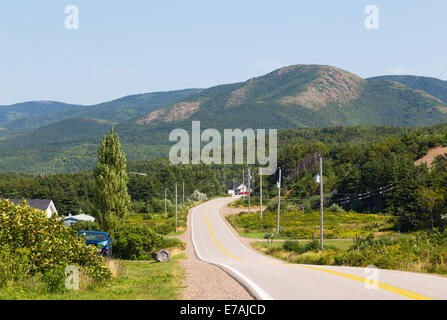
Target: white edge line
<point>259,291</point>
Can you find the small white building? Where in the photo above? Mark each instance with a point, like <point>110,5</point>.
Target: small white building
<point>231,192</point>
<point>42,204</point>
<point>242,189</point>
<point>70,220</point>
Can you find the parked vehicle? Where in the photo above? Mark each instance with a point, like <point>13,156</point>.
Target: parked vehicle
<point>100,240</point>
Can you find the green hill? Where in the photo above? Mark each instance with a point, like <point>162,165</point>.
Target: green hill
<point>32,108</point>
<point>117,110</point>
<point>300,96</point>
<point>433,86</point>
<point>303,96</point>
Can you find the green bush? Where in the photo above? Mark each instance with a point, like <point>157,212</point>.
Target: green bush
<point>198,196</point>
<point>158,205</point>
<point>33,244</point>
<point>15,265</point>
<point>272,206</point>
<point>85,226</point>
<point>54,280</point>
<point>135,241</point>
<point>139,207</point>
<point>301,247</point>
<point>336,209</point>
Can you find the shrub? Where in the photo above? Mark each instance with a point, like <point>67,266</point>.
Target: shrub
<point>15,266</point>
<point>34,244</point>
<point>139,207</point>
<point>301,247</point>
<point>198,196</point>
<point>135,241</point>
<point>336,209</point>
<point>85,226</point>
<point>272,206</point>
<point>54,279</point>
<point>165,228</point>
<point>158,205</point>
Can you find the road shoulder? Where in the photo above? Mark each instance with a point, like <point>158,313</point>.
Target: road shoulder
<point>204,281</point>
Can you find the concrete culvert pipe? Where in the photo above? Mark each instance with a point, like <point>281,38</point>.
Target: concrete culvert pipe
<point>163,256</point>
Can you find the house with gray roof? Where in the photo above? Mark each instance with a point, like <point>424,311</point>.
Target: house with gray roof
<point>42,204</point>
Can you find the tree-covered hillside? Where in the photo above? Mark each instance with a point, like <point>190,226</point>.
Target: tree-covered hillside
<point>366,169</point>
<point>122,109</point>
<point>437,88</point>
<point>300,96</point>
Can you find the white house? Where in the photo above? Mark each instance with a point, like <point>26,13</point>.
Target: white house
<point>42,204</point>
<point>242,189</point>
<point>69,220</point>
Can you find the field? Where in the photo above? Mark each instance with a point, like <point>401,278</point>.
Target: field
<point>165,225</point>
<point>339,244</point>
<point>417,252</point>
<point>298,225</point>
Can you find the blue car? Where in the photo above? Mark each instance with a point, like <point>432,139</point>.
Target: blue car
<point>100,240</point>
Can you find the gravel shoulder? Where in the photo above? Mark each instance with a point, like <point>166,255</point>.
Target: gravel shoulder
<point>204,281</point>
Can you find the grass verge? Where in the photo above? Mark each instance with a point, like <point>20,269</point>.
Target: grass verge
<point>416,252</point>
<point>132,280</point>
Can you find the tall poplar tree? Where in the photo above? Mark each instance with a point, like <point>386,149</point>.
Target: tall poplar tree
<point>111,199</point>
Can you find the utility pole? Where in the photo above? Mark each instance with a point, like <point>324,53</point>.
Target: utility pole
<point>183,194</point>
<point>260,192</point>
<point>176,207</point>
<point>166,212</point>
<point>279,200</point>
<point>321,203</point>
<point>243,178</point>
<point>249,178</point>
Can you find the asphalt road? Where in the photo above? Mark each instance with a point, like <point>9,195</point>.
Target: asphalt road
<point>269,278</point>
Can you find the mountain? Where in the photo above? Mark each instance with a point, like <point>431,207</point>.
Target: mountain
<point>117,110</point>
<point>437,88</point>
<point>32,108</point>
<point>292,97</point>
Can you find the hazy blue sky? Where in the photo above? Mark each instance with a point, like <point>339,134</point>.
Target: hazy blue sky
<point>127,47</point>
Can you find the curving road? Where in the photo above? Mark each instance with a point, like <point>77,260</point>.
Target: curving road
<point>268,278</point>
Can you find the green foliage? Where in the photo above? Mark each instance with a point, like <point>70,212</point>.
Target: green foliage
<point>111,198</point>
<point>336,208</point>
<point>298,225</point>
<point>135,241</point>
<point>198,196</point>
<point>85,226</point>
<point>298,247</point>
<point>415,252</point>
<point>433,86</point>
<point>269,101</point>
<point>33,244</point>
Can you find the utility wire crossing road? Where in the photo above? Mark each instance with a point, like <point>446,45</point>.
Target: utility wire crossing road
<point>268,278</point>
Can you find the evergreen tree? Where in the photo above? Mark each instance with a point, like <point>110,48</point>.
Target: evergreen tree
<point>111,198</point>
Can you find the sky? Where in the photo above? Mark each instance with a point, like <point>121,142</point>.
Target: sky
<point>137,46</point>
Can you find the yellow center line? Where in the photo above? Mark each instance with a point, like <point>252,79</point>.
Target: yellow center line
<point>214,238</point>
<point>380,285</point>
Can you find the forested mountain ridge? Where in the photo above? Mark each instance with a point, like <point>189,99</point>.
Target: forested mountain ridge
<point>304,96</point>
<point>433,86</point>
<point>298,96</point>
<point>118,110</point>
